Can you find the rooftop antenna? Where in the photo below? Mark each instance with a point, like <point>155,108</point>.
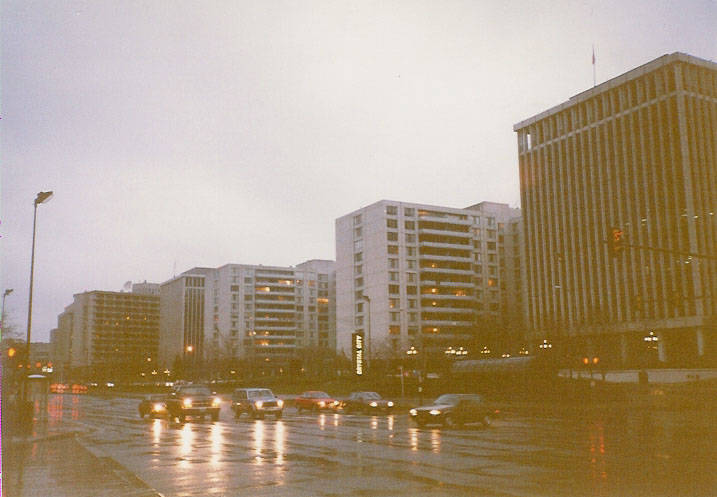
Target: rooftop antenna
<point>127,286</point>
<point>594,79</point>
<point>174,269</point>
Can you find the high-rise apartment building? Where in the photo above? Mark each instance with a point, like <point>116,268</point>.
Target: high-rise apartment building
<point>107,336</point>
<point>262,314</point>
<point>633,158</point>
<point>427,276</point>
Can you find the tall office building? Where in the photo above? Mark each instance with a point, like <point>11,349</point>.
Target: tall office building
<point>632,158</point>
<point>265,315</point>
<point>182,318</point>
<point>107,336</point>
<point>427,276</point>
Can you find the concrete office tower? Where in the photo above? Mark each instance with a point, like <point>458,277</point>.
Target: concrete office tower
<point>427,276</point>
<point>107,336</point>
<point>636,153</point>
<point>182,319</point>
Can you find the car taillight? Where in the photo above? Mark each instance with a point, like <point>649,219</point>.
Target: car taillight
<point>216,401</point>
<point>280,403</point>
<point>187,402</point>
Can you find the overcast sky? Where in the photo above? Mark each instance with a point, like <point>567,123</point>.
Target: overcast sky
<point>178,134</point>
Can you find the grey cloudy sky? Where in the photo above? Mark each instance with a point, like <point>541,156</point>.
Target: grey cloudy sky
<point>178,134</point>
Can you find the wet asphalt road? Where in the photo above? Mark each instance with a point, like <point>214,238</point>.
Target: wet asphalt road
<point>561,452</point>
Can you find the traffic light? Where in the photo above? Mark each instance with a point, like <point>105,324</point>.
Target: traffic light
<point>616,242</point>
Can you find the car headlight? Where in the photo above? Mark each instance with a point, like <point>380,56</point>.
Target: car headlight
<point>258,404</point>
<point>373,403</point>
<point>158,407</point>
<point>280,403</point>
<point>335,403</point>
<point>413,412</point>
<point>322,403</point>
<point>187,402</point>
<point>389,403</point>
<point>216,401</point>
<point>434,412</point>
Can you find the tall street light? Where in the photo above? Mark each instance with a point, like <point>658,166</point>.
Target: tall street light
<point>41,198</point>
<point>368,328</point>
<point>2,316</point>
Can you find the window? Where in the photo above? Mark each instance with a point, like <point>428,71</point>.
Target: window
<point>411,251</point>
<point>358,257</point>
<point>412,303</point>
<point>393,249</point>
<point>357,219</point>
<point>391,210</point>
<point>411,290</point>
<point>393,303</point>
<point>392,236</point>
<point>358,269</point>
<point>411,264</point>
<point>409,211</point>
<point>412,317</point>
<point>490,245</point>
<point>393,263</point>
<point>358,245</point>
<point>359,281</point>
<point>358,321</point>
<point>491,222</point>
<point>410,238</point>
<point>411,277</point>
<point>393,289</point>
<point>358,232</point>
<point>395,317</point>
<point>393,275</point>
<point>392,223</point>
<point>410,225</point>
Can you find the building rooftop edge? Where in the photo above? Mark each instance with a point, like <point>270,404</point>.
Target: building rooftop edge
<point>650,66</point>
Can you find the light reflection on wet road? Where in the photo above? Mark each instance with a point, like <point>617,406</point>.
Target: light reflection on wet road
<point>589,452</point>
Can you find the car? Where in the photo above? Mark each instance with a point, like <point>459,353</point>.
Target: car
<point>366,402</point>
<point>313,400</point>
<point>453,410</point>
<point>193,400</point>
<point>152,406</point>
<point>256,402</point>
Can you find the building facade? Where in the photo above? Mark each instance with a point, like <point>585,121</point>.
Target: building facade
<point>634,159</point>
<point>428,277</point>
<point>249,316</point>
<point>107,336</point>
<point>182,320</point>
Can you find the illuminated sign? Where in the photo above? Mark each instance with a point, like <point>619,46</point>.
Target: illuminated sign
<point>357,352</point>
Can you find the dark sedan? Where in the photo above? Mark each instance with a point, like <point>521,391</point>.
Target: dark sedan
<point>152,406</point>
<point>453,410</point>
<point>366,402</point>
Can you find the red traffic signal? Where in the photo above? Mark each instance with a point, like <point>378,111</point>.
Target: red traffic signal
<point>616,241</point>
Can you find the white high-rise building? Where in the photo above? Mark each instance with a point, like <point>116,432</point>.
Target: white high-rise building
<point>428,276</point>
<point>265,314</point>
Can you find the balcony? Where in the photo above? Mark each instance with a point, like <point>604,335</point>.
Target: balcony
<point>445,245</point>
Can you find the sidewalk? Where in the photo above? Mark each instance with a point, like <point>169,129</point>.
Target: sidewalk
<point>51,463</point>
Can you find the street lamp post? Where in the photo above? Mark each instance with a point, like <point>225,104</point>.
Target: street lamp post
<point>41,198</point>
<point>368,329</point>
<point>2,316</point>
